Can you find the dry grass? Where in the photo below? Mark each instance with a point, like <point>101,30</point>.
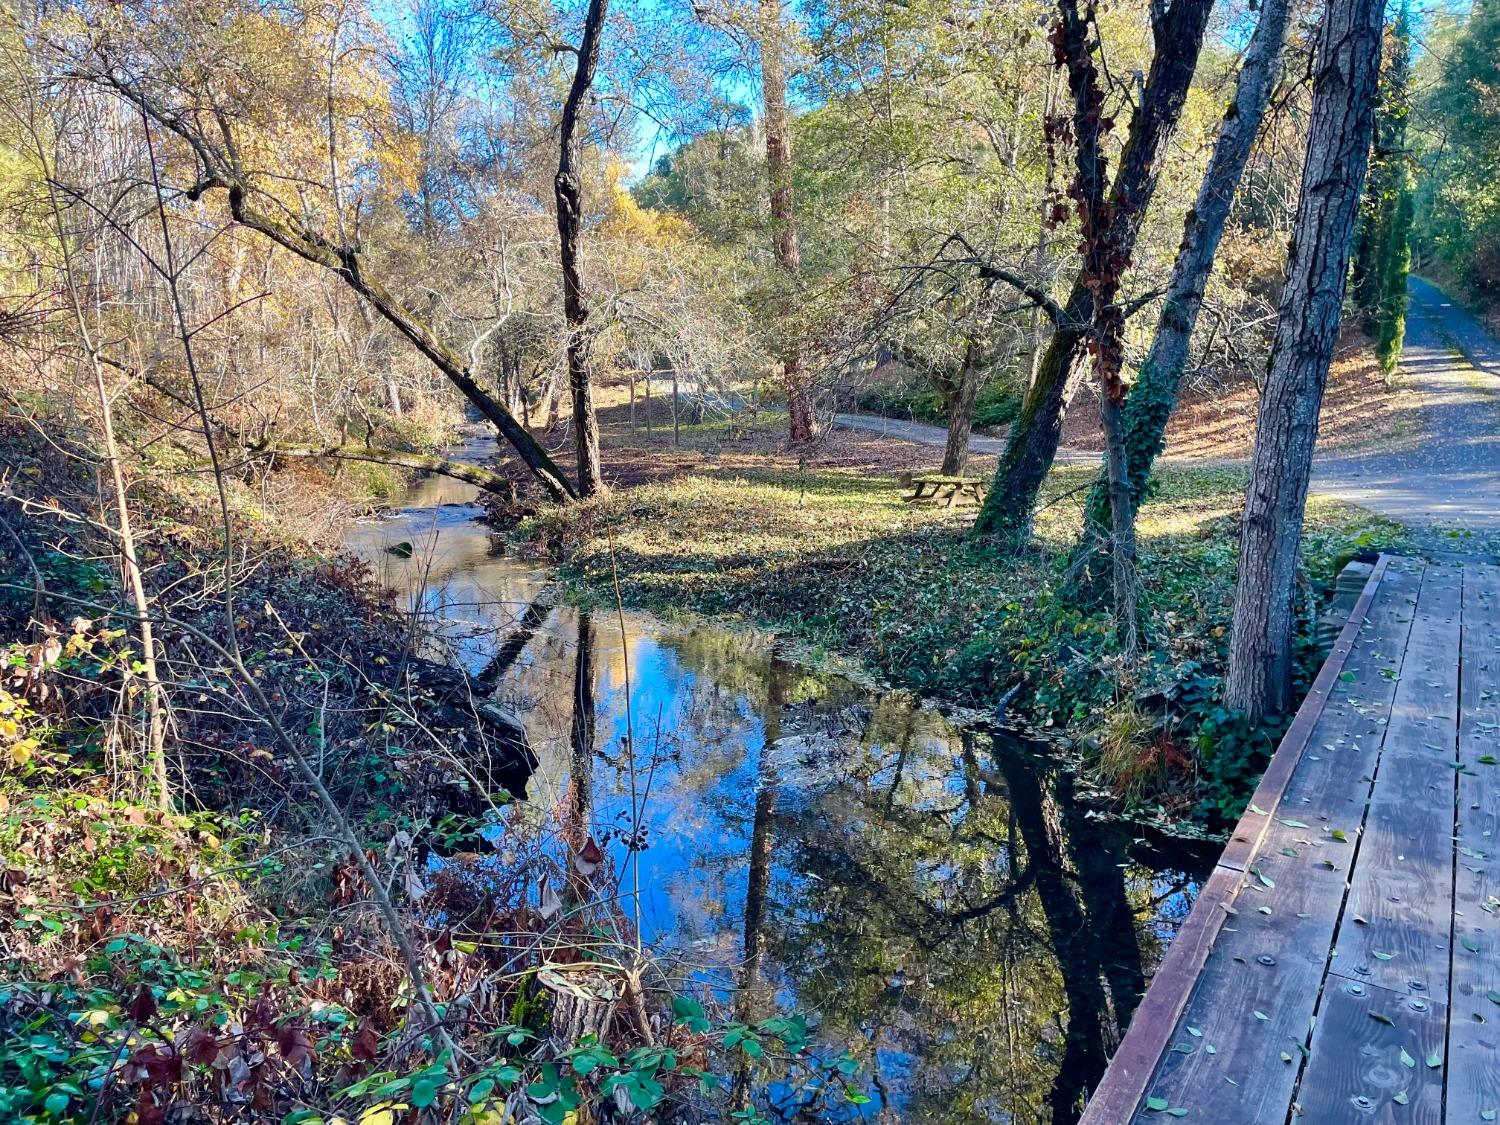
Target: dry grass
<point>1215,421</point>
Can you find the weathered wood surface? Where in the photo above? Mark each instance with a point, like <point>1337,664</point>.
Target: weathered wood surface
<point>1473,1070</point>
<point>1342,963</point>
<point>933,489</point>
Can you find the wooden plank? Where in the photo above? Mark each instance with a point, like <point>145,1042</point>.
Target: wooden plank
<point>1160,1023</point>
<point>1396,930</point>
<point>1359,1065</point>
<point>1473,1073</point>
<point>1258,991</point>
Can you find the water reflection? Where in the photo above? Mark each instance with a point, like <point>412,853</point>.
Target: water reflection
<point>933,897</point>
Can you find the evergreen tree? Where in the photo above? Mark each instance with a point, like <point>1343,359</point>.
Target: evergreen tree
<point>1382,248</point>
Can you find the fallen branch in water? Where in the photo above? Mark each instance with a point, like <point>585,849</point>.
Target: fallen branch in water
<point>485,479</point>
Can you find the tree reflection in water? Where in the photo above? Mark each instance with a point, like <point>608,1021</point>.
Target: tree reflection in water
<point>934,898</point>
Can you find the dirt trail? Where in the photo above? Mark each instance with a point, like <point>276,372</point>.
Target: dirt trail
<point>1448,473</point>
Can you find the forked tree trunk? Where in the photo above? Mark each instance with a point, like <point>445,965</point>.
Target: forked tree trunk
<point>1154,394</point>
<point>1178,33</point>
<point>783,208</point>
<point>1338,151</point>
<point>569,190</point>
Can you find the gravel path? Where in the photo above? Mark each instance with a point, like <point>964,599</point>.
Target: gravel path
<point>1448,473</point>
<point>920,433</point>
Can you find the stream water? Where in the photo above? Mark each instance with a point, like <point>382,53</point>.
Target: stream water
<point>931,897</point>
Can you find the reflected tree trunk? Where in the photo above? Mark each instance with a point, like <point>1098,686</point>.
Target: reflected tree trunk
<point>488,677</point>
<point>752,998</point>
<point>1074,926</point>
<point>579,806</point>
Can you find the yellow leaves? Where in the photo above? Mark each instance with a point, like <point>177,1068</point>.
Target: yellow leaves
<point>383,1113</point>
<point>17,746</point>
<point>628,220</point>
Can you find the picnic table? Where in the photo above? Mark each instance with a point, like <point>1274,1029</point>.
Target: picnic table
<point>937,489</point>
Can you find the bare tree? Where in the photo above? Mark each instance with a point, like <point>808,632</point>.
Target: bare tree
<point>1154,392</point>
<point>123,531</point>
<point>1347,73</point>
<point>569,189</point>
<point>210,136</point>
<point>1178,32</point>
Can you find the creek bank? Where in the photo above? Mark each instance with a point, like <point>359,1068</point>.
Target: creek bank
<point>837,561</point>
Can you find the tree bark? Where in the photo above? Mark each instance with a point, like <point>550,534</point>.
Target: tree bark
<point>1154,394</point>
<point>568,186</point>
<point>961,412</point>
<point>1178,33</point>
<point>1338,149</point>
<point>783,208</point>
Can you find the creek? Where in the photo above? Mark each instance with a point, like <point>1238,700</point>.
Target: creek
<point>932,897</point>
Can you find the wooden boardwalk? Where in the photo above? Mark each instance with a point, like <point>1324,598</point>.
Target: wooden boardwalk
<point>1342,962</point>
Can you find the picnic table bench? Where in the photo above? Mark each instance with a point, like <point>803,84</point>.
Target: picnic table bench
<point>934,488</point>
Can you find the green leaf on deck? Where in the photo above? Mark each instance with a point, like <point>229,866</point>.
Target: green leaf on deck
<point>1194,1032</point>
<point>1294,823</point>
<point>1434,1060</point>
<point>1471,945</point>
<point>1406,1059</point>
<point>1402,1098</point>
<point>1260,1015</point>
<point>1157,1104</point>
<point>1257,810</point>
<point>1338,834</point>
<point>1381,1017</point>
<point>1290,851</point>
<point>1380,956</point>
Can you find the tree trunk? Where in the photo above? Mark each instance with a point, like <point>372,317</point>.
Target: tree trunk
<point>783,207</point>
<point>1038,430</point>
<point>1154,393</point>
<point>961,413</point>
<point>1338,150</point>
<point>1178,33</point>
<point>569,191</point>
<point>1122,524</point>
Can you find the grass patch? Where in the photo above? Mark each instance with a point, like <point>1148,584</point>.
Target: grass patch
<point>837,559</point>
